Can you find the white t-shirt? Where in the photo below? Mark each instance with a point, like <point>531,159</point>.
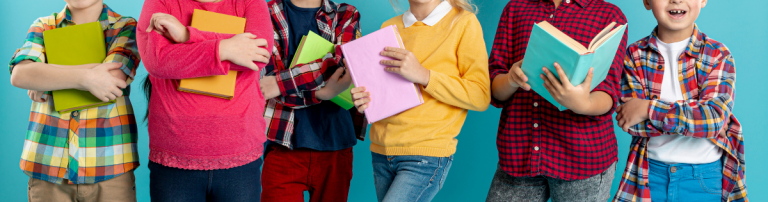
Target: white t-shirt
<point>673,149</point>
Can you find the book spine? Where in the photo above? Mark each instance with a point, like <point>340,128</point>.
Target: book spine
<point>582,69</point>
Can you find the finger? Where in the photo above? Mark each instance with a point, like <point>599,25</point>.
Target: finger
<point>115,92</point>
<point>362,101</point>
<point>553,81</point>
<point>396,49</point>
<point>263,52</point>
<point>110,96</point>
<point>393,54</point>
<point>626,99</point>
<point>588,81</point>
<point>563,78</point>
<point>114,65</point>
<point>550,89</point>
<point>337,74</point>
<point>103,97</point>
<point>260,42</point>
<point>625,127</point>
<point>619,117</point>
<point>248,35</point>
<point>259,58</point>
<point>252,66</point>
<point>360,95</point>
<point>357,90</point>
<point>522,82</point>
<point>362,108</point>
<point>121,84</point>
<point>395,70</point>
<point>346,77</point>
<point>392,63</point>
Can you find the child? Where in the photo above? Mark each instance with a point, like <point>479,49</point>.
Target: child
<point>445,54</point>
<point>310,138</point>
<point>677,99</point>
<point>544,152</point>
<point>65,155</point>
<point>204,148</point>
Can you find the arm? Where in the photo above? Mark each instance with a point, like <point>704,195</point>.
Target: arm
<point>471,90</point>
<point>633,86</point>
<point>123,49</point>
<point>298,85</point>
<point>500,62</point>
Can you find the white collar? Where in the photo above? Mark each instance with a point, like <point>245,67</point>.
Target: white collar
<point>433,18</point>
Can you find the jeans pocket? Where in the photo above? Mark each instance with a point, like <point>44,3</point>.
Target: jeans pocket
<point>711,185</point>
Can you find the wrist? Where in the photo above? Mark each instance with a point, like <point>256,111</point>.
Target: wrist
<point>223,49</point>
<point>425,77</point>
<point>510,81</point>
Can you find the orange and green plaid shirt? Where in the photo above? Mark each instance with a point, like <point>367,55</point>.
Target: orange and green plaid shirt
<point>85,146</point>
<point>708,77</point>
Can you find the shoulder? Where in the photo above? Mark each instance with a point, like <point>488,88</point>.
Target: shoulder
<point>609,9</point>
<point>45,22</point>
<point>397,20</point>
<point>344,7</point>
<point>714,50</point>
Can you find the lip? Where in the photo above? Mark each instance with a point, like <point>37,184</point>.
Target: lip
<point>677,16</point>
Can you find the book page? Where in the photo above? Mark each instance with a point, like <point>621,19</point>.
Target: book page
<point>570,42</point>
<point>600,35</point>
<point>606,37</point>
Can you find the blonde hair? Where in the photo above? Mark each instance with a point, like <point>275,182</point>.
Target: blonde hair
<point>461,5</point>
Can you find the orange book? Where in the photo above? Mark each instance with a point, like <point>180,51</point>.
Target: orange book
<point>222,86</point>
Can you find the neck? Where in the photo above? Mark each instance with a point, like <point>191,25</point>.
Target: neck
<point>557,3</point>
<point>86,15</point>
<point>672,36</point>
<point>422,10</point>
<point>307,3</point>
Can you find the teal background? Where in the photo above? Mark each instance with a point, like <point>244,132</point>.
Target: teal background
<point>741,25</point>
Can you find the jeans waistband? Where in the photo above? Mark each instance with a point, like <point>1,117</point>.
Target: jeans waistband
<point>684,169</point>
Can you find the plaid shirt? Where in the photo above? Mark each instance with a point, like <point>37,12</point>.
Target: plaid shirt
<point>338,23</point>
<point>707,76</point>
<point>86,146</point>
<point>535,138</point>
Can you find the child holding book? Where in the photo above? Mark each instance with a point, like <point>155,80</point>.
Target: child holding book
<point>444,54</point>
<point>310,137</point>
<point>544,152</point>
<point>678,95</point>
<point>204,148</point>
<point>60,151</point>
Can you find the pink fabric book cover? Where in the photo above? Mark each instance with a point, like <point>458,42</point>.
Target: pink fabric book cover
<point>390,92</point>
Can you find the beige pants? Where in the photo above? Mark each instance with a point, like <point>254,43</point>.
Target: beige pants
<point>120,188</point>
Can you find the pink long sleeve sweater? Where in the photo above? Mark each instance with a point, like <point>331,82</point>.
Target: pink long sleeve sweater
<point>198,132</point>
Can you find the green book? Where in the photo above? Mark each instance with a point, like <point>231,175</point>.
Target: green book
<point>313,47</point>
<point>548,45</point>
<point>75,45</point>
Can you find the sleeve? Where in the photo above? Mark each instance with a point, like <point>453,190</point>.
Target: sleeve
<point>123,48</point>
<point>298,85</point>
<point>611,84</point>
<point>33,48</point>
<point>501,56</point>
<point>633,85</point>
<point>471,89</point>
<point>704,117</point>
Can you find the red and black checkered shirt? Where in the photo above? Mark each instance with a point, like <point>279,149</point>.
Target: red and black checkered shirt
<point>535,138</point>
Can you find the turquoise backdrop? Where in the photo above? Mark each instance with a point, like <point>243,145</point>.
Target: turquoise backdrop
<point>741,25</point>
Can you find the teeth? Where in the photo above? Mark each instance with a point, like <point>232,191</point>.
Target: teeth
<point>677,12</point>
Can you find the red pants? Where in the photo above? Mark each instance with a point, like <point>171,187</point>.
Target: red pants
<point>288,173</point>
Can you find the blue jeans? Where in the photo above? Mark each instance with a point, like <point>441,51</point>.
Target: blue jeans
<point>242,183</point>
<point>684,182</point>
<point>409,178</point>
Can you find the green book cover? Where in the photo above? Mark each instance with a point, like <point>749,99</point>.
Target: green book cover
<point>313,47</point>
<point>548,45</point>
<point>75,45</point>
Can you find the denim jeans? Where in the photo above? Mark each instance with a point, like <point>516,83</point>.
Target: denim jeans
<point>409,178</point>
<point>684,182</point>
<point>242,183</point>
<point>505,187</point>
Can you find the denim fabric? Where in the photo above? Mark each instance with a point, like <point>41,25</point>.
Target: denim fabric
<point>505,187</point>
<point>684,182</point>
<point>241,183</point>
<point>409,178</point>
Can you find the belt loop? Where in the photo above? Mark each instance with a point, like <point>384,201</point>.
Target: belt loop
<point>696,169</point>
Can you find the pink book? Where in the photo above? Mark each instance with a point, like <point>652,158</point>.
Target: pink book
<point>390,92</point>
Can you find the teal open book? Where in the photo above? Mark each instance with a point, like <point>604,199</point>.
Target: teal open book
<point>75,45</point>
<point>313,47</point>
<point>548,45</point>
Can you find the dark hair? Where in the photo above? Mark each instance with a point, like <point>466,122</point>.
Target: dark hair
<point>147,86</point>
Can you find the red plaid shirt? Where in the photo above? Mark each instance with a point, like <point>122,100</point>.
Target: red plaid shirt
<point>535,138</point>
<point>339,24</point>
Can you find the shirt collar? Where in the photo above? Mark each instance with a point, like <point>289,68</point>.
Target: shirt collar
<point>433,18</point>
<point>327,6</point>
<point>106,15</point>
<point>693,49</point>
<point>582,3</point>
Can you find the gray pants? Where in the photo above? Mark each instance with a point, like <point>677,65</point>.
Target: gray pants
<point>507,188</point>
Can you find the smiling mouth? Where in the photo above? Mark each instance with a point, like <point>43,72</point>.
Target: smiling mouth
<point>677,14</point>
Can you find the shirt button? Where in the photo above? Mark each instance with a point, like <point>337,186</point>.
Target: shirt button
<point>536,148</point>
<point>535,104</point>
<point>551,15</point>
<point>75,113</point>
<point>673,169</point>
<point>535,125</point>
<point>567,1</point>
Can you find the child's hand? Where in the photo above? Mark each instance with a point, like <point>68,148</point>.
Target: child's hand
<point>37,96</point>
<point>406,64</point>
<point>575,98</point>
<point>516,77</point>
<point>101,83</point>
<point>361,98</point>
<point>632,112</point>
<point>168,26</point>
<point>335,85</point>
<point>269,87</point>
<point>244,49</point>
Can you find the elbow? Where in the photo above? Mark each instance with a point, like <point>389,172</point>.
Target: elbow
<point>16,81</point>
<point>17,77</point>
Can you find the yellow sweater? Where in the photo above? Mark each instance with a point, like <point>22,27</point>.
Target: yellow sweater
<point>458,63</point>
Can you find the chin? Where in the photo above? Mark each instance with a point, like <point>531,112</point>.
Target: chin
<point>81,4</point>
<point>676,26</point>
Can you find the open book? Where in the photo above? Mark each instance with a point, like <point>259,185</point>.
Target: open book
<point>75,45</point>
<point>548,45</point>
<point>221,86</point>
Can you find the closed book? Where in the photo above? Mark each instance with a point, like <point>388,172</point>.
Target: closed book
<point>313,47</point>
<point>390,92</point>
<point>548,45</point>
<point>221,86</point>
<point>75,45</point>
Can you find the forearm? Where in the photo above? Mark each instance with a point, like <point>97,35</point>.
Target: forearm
<point>44,77</point>
<point>600,103</point>
<point>501,88</point>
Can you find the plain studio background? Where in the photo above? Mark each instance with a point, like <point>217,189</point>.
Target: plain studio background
<point>741,25</point>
